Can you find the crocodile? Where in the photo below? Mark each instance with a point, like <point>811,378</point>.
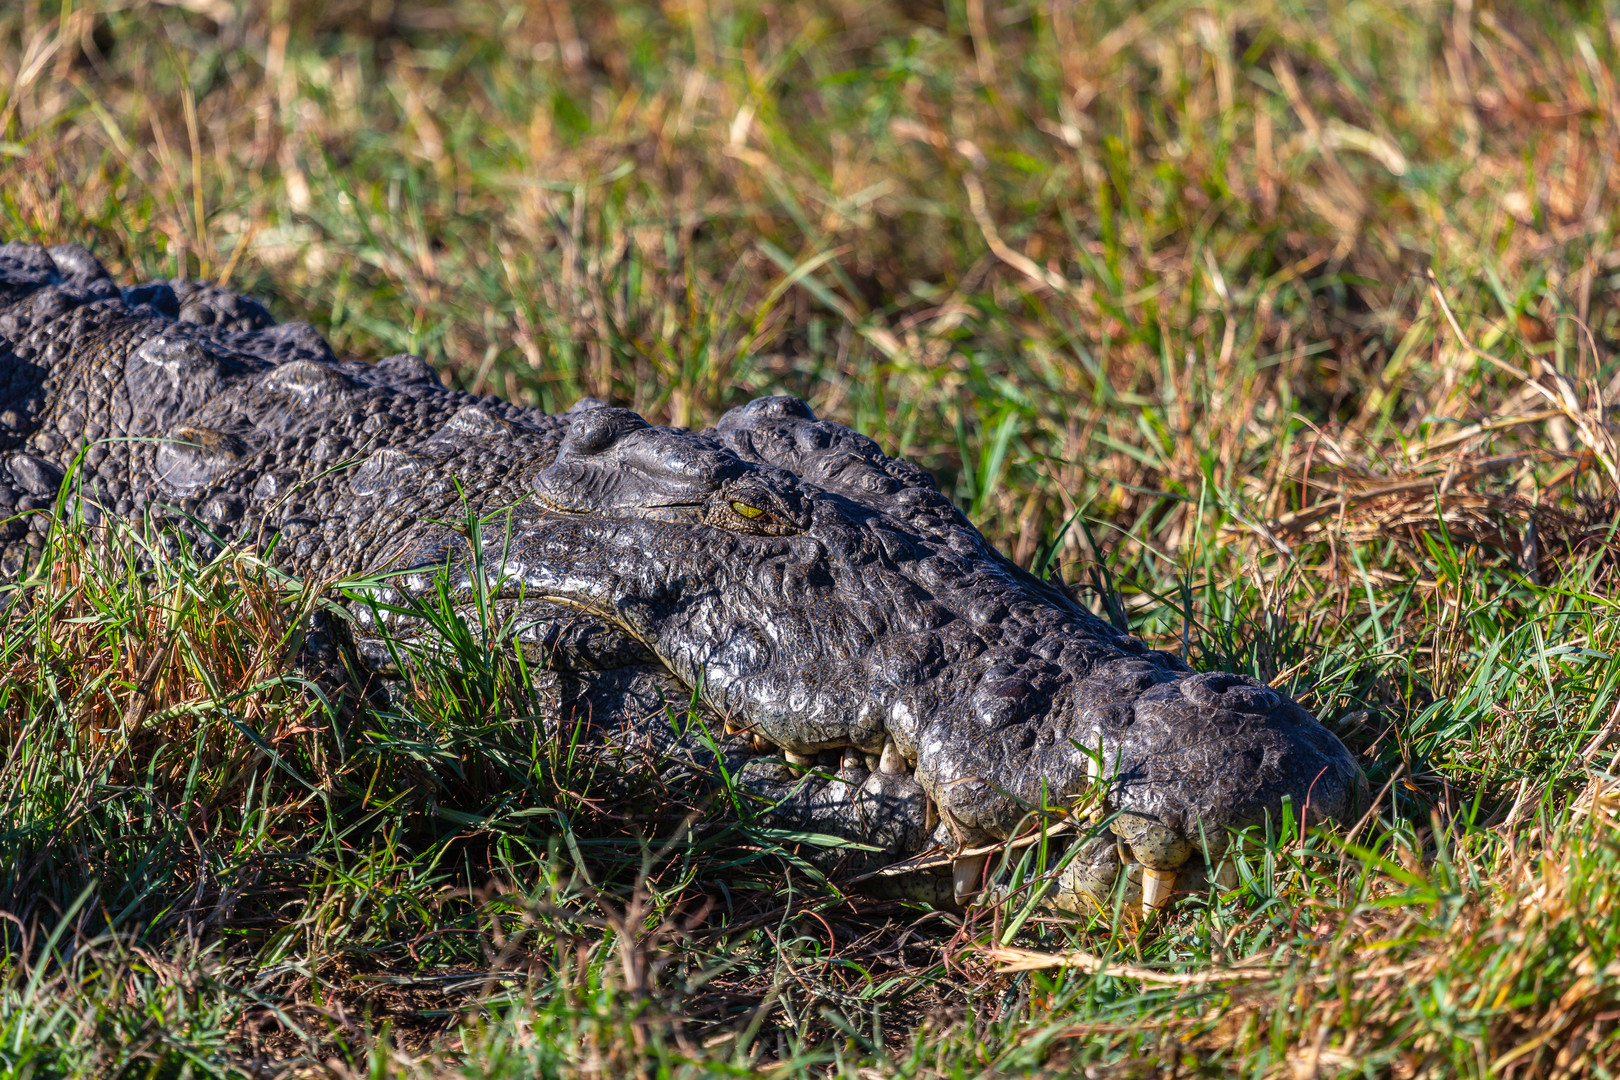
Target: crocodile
<point>859,660</point>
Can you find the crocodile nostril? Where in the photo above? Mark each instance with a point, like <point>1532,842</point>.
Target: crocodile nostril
<point>1224,690</point>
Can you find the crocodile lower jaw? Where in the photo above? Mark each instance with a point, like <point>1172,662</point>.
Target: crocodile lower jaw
<point>1090,880</point>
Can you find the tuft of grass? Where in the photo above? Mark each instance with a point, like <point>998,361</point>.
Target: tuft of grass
<point>1284,333</point>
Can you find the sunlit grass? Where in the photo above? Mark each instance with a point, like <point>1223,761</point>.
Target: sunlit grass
<point>1282,333</point>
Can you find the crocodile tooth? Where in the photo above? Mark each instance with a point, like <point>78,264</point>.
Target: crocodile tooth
<point>873,761</point>
<point>1226,875</point>
<point>762,744</point>
<point>1094,764</point>
<point>732,727</point>
<point>966,875</point>
<point>892,762</point>
<point>1157,884</point>
<point>853,759</point>
<point>803,761</point>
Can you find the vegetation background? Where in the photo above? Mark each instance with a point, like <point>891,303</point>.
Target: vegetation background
<point>1284,331</point>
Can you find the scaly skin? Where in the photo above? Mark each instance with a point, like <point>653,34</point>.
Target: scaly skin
<point>825,600</point>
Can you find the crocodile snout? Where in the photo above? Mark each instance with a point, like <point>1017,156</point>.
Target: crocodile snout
<point>1197,760</point>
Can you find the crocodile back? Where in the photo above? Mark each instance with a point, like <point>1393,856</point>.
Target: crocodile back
<point>191,402</point>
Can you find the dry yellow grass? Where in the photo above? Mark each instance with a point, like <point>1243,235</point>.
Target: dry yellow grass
<point>1284,332</point>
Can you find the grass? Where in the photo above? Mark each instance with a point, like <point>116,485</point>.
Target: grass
<point>1282,331</point>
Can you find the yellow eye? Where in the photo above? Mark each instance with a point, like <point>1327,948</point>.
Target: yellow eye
<point>749,512</point>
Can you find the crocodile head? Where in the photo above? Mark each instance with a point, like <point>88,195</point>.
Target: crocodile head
<point>830,600</point>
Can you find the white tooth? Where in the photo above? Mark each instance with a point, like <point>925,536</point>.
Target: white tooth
<point>1156,888</point>
<point>872,762</point>
<point>762,744</point>
<point>853,759</point>
<point>966,875</point>
<point>731,727</point>
<point>1226,875</point>
<point>893,762</point>
<point>804,761</point>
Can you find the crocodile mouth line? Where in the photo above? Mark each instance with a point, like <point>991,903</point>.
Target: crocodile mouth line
<point>557,507</point>
<point>548,503</point>
<point>500,611</point>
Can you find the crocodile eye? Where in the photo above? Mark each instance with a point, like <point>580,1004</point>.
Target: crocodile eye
<point>751,512</point>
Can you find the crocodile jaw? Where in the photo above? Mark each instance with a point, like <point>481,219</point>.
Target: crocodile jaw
<point>985,734</point>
